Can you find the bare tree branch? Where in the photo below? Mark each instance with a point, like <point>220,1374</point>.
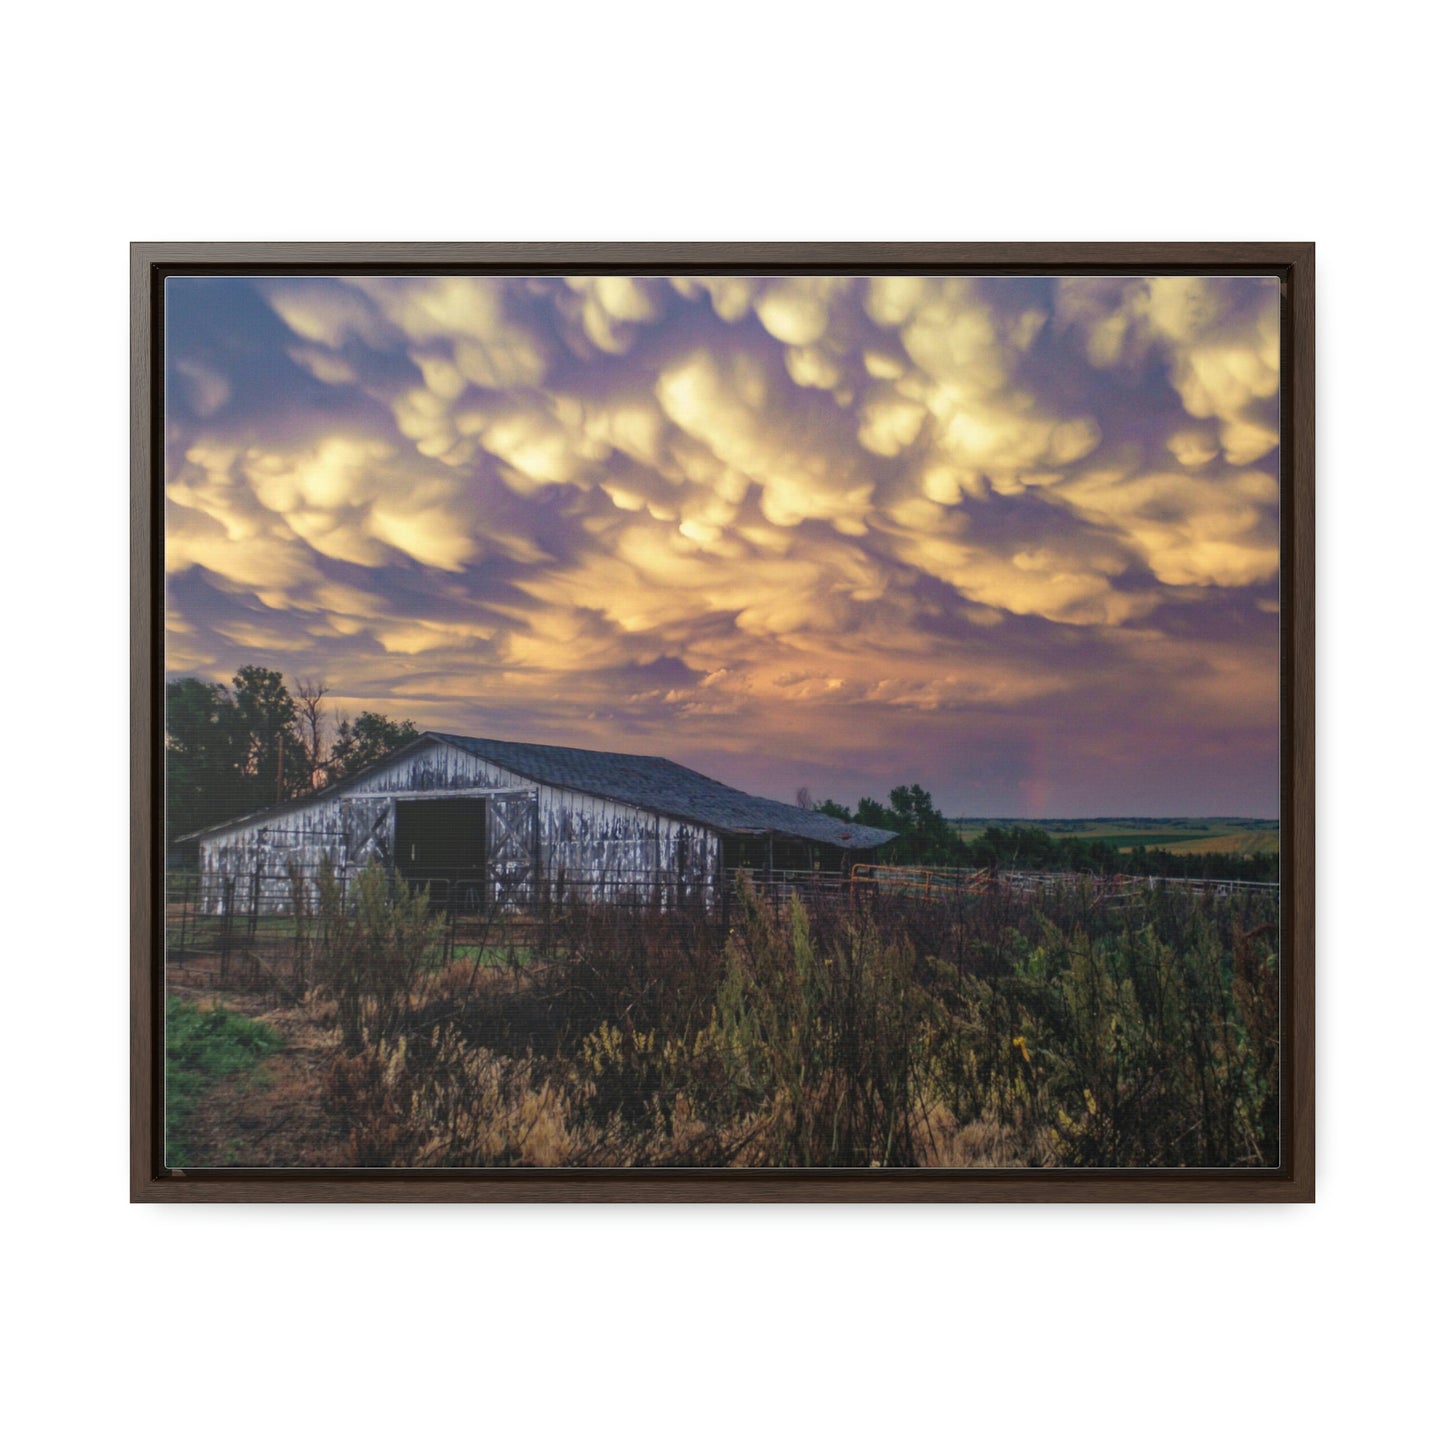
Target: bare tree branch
<point>311,726</point>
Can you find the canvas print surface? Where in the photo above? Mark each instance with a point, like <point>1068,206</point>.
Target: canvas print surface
<point>722,721</point>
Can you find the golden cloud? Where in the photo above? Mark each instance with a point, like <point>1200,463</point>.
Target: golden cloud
<point>799,456</point>
<point>827,497</point>
<point>1189,529</point>
<point>1221,336</point>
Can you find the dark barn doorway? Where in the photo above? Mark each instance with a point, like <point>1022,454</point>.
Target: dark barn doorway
<point>441,845</point>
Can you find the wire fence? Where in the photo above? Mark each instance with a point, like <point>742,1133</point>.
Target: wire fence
<point>237,931</point>
<point>929,883</point>
<point>216,935</point>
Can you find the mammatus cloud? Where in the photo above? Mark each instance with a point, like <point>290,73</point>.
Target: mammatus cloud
<point>867,527</point>
<point>1220,340</point>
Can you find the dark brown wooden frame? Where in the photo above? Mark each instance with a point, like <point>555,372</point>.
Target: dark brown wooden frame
<point>1292,262</point>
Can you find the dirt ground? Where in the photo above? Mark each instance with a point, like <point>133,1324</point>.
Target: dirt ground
<point>272,1116</point>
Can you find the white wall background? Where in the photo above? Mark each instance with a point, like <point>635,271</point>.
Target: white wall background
<point>746,121</point>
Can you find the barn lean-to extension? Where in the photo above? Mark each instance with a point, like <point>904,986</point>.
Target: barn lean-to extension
<point>484,823</point>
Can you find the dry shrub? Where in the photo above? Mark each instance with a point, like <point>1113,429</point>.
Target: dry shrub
<point>450,1105</point>
<point>375,944</point>
<point>987,1142</point>
<point>642,969</point>
<point>363,1088</point>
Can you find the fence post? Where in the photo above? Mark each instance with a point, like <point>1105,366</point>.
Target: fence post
<point>228,909</point>
<point>255,898</point>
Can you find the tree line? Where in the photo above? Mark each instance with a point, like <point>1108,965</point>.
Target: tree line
<point>231,749</point>
<point>927,839</point>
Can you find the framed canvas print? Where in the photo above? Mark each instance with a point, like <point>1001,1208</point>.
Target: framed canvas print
<point>722,722</point>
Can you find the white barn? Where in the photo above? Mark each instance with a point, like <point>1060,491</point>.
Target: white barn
<point>483,823</point>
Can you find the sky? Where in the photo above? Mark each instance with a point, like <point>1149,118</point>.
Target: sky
<point>1015,539</point>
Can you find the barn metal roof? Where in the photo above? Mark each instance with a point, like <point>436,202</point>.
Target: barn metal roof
<point>666,787</point>
<point>657,784</point>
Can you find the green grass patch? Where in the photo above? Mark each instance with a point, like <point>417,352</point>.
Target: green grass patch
<point>494,955</point>
<point>203,1046</point>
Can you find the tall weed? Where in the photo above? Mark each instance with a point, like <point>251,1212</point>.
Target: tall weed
<point>996,1031</point>
<point>375,943</point>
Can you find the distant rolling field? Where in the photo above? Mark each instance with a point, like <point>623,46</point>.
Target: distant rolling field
<point>1256,842</point>
<point>1173,835</point>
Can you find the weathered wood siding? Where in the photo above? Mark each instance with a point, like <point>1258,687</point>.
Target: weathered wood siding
<point>594,849</point>
<point>585,847</point>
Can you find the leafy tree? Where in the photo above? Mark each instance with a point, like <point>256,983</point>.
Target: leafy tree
<point>924,834</point>
<point>371,737</point>
<point>873,815</point>
<point>1017,846</point>
<point>275,766</point>
<point>203,753</point>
